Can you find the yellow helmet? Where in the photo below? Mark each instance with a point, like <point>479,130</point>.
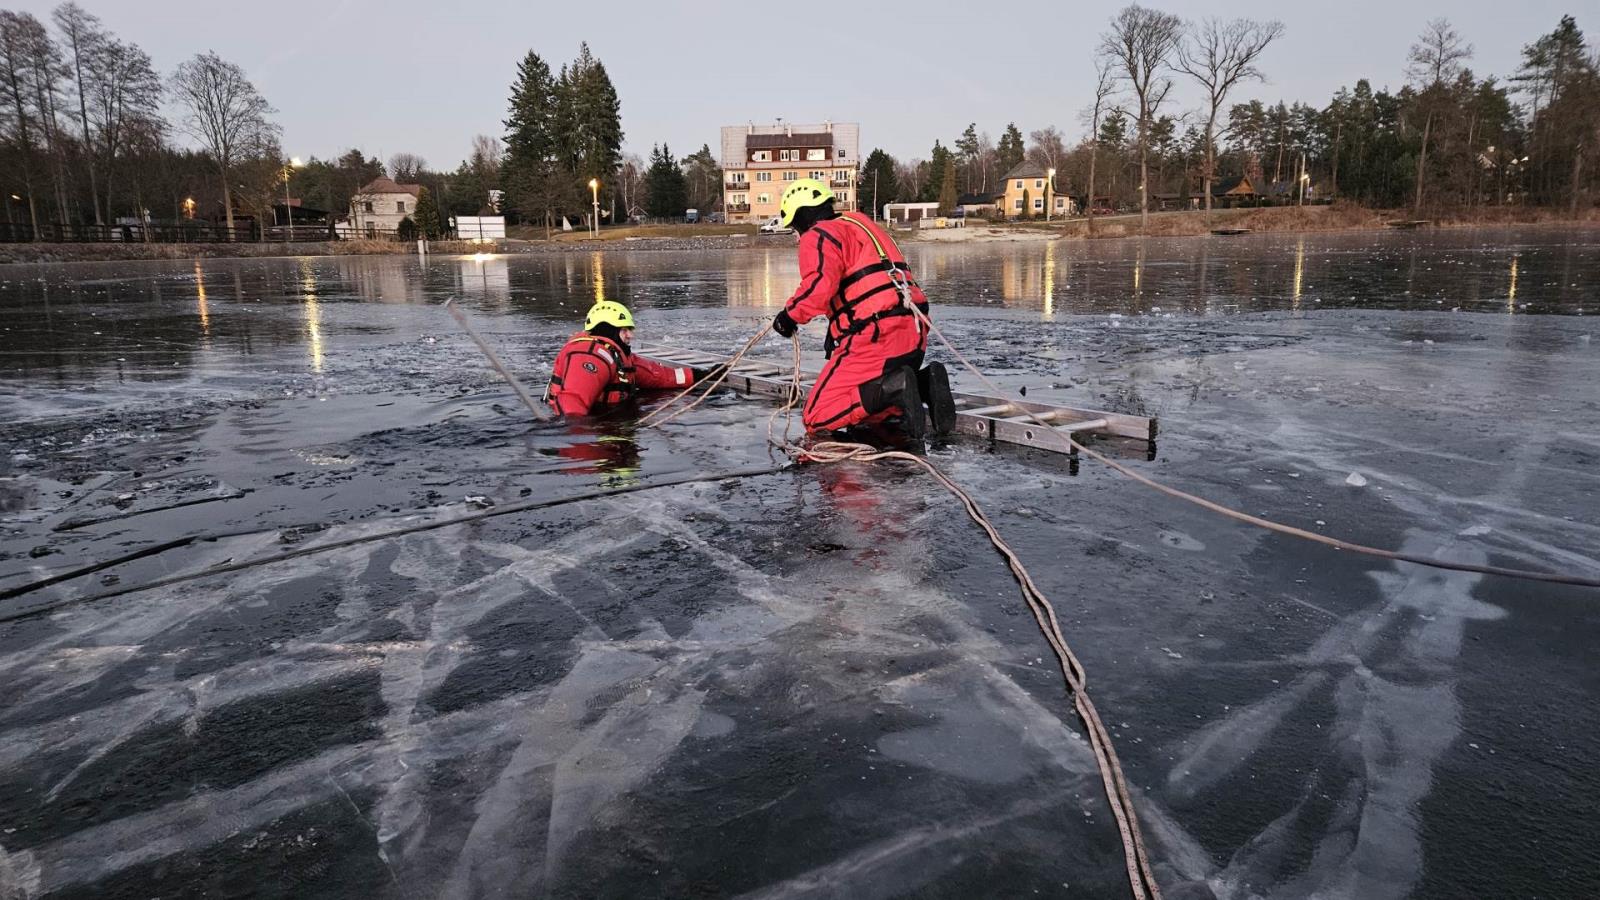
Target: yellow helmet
<point>800,193</point>
<point>610,312</point>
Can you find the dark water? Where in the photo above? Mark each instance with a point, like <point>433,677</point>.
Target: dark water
<point>813,682</point>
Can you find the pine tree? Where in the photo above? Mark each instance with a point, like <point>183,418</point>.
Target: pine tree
<point>947,189</point>
<point>704,178</point>
<point>666,190</point>
<point>1027,205</point>
<point>938,160</point>
<point>429,224</point>
<point>593,119</point>
<point>877,185</point>
<point>530,169</point>
<point>1011,149</point>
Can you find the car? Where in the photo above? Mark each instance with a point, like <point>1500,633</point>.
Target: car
<point>716,218</point>
<point>774,225</point>
<point>691,216</point>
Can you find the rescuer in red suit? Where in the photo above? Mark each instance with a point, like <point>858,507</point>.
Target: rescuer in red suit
<point>852,272</point>
<point>597,368</point>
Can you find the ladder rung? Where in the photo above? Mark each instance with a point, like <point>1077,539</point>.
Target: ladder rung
<point>986,410</point>
<point>1085,425</point>
<point>1033,417</point>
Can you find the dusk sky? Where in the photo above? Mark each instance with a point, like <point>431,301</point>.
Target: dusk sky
<point>424,77</point>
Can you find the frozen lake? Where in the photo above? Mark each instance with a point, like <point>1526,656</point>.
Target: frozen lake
<point>815,682</point>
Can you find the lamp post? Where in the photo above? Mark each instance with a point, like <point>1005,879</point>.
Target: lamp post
<point>594,190</point>
<point>1049,193</point>
<point>288,170</point>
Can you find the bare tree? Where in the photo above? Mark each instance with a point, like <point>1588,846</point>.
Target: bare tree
<point>1105,85</point>
<point>486,155</point>
<point>1046,147</point>
<point>125,92</point>
<point>1436,59</point>
<point>84,39</point>
<point>405,168</point>
<point>1141,42</point>
<point>225,113</point>
<point>19,32</point>
<point>1219,55</point>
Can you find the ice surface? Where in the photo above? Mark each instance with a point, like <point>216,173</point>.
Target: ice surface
<point>816,681</point>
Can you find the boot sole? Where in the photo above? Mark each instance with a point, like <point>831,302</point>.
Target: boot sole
<point>941,403</point>
<point>911,415</point>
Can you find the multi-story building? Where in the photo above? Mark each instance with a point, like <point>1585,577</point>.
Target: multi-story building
<point>759,161</point>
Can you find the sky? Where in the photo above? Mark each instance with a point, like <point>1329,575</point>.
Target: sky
<point>424,77</point>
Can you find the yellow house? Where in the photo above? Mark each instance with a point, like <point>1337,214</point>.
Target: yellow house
<point>759,161</point>
<point>1030,190</point>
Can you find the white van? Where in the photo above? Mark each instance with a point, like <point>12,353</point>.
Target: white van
<point>774,225</point>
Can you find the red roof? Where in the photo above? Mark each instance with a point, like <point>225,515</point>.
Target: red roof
<point>384,185</point>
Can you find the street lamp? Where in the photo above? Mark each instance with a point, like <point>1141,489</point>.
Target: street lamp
<point>1049,192</point>
<point>594,223</point>
<point>288,170</point>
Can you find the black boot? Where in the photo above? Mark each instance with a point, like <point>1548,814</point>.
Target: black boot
<point>897,388</point>
<point>933,382</point>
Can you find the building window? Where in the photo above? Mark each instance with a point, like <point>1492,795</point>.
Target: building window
<point>1038,204</point>
<point>738,199</point>
<point>763,176</point>
<point>820,176</point>
<point>816,154</point>
<point>762,156</point>
<point>1019,204</point>
<point>842,175</point>
<point>841,153</point>
<point>844,196</point>
<point>790,176</point>
<point>400,207</point>
<point>1019,184</point>
<point>738,178</point>
<point>763,198</point>
<point>367,206</point>
<point>1038,182</point>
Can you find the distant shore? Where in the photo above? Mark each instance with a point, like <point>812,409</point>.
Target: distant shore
<point>1279,220</point>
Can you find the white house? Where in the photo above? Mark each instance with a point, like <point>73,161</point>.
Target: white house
<point>380,205</point>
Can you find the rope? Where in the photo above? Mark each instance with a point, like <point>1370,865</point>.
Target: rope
<point>1141,880</point>
<point>651,421</point>
<point>1268,524</point>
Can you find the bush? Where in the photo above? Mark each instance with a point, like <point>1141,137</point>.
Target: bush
<point>406,230</point>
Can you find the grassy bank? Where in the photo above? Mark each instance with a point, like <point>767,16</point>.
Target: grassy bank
<point>1288,219</point>
<point>536,233</point>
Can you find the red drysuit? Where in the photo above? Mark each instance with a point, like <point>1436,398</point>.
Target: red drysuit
<point>593,372</point>
<point>845,265</point>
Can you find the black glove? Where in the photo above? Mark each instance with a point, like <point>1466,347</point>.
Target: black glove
<point>783,325</point>
<point>703,375</point>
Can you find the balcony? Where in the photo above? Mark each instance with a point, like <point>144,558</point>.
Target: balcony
<point>836,183</point>
<point>733,209</point>
<point>736,186</point>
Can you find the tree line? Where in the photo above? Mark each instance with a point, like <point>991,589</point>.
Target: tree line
<point>1445,138</point>
<point>83,139</point>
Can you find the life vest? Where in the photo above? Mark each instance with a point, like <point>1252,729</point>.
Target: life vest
<point>871,288</point>
<point>596,354</point>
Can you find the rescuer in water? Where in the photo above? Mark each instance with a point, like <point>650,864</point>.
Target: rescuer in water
<point>852,272</point>
<point>597,369</point>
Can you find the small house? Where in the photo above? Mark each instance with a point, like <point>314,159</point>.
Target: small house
<point>381,204</point>
<point>985,204</point>
<point>908,213</point>
<point>1029,190</point>
<point>1228,192</point>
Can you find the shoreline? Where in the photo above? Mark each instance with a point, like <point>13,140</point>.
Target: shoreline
<point>1280,220</point>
